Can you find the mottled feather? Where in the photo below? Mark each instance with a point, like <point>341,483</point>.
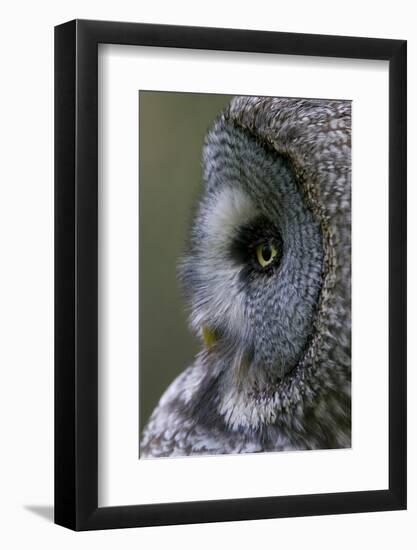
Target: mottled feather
<point>278,375</point>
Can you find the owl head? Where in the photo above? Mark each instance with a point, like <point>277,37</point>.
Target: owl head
<point>266,270</point>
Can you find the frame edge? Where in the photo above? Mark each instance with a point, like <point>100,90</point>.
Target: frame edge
<point>65,258</point>
<point>398,274</point>
<point>75,221</point>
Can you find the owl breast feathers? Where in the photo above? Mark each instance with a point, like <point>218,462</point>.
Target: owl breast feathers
<point>266,279</point>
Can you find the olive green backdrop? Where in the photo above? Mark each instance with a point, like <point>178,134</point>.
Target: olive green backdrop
<point>171,132</point>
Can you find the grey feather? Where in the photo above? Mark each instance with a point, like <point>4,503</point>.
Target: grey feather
<point>278,376</point>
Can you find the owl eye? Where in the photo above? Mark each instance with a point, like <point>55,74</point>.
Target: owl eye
<point>265,253</point>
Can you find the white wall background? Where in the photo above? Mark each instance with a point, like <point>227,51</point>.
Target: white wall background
<point>26,272</point>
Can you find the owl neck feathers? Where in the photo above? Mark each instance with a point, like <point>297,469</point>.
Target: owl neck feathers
<point>302,403</point>
<point>238,396</point>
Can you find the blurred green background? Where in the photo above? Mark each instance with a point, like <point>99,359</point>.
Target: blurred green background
<point>172,127</point>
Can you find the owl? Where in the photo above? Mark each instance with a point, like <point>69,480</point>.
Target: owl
<point>266,279</point>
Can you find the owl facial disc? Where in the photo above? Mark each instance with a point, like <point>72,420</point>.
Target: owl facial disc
<point>252,272</point>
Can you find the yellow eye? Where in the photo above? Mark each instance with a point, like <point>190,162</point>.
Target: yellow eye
<point>265,253</point>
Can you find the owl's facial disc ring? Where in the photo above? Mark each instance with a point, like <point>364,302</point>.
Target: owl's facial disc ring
<point>253,269</point>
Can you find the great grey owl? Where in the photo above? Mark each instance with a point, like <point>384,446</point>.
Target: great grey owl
<point>266,277</point>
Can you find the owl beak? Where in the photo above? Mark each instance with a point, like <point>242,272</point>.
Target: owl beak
<point>209,336</point>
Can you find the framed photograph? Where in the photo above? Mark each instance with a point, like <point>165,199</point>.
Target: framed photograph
<point>230,284</point>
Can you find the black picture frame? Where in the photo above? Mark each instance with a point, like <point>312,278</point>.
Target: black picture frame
<point>76,272</point>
